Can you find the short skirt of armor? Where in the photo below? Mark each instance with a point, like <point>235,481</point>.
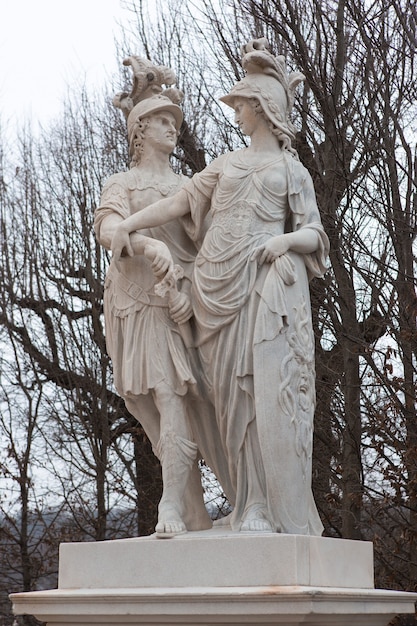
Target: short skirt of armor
<point>145,346</point>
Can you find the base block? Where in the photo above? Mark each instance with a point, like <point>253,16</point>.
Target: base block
<point>216,577</point>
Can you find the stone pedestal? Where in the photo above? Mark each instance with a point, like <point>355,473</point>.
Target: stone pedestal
<point>216,577</point>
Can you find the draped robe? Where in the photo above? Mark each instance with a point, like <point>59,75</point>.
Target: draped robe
<point>255,336</point>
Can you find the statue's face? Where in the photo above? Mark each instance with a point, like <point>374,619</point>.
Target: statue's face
<point>160,131</point>
<point>245,115</point>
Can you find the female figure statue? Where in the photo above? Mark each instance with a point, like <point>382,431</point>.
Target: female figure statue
<point>250,299</point>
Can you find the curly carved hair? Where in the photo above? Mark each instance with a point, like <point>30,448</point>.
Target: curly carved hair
<point>283,138</point>
<point>138,141</point>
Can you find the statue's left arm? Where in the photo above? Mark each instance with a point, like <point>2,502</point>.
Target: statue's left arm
<point>307,236</point>
<point>303,241</point>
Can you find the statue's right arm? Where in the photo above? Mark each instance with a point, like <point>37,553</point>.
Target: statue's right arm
<point>108,228</point>
<point>155,214</point>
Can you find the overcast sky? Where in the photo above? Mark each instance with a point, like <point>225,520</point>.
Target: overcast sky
<point>46,45</point>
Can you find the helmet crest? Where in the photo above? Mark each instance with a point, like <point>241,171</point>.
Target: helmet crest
<point>268,81</point>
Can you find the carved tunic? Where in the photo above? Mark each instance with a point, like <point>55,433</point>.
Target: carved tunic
<point>255,335</point>
<point>142,340</point>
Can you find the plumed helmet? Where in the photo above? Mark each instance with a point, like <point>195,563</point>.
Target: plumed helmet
<point>267,90</point>
<point>268,81</point>
<point>147,107</point>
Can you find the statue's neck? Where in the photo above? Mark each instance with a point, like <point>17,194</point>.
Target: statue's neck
<point>262,141</point>
<point>158,167</point>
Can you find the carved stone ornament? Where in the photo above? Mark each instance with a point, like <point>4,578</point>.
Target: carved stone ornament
<point>148,81</point>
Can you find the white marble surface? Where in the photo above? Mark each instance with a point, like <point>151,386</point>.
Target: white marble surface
<point>194,606</point>
<point>216,577</point>
<point>217,558</point>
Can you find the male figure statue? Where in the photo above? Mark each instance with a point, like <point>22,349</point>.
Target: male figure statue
<point>151,365</point>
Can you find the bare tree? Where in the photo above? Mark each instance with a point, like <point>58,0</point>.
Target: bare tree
<point>355,116</point>
<point>55,360</point>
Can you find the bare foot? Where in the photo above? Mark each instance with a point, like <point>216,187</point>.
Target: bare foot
<point>255,520</point>
<point>169,523</point>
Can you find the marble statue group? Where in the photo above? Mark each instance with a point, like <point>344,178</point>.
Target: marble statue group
<point>206,302</point>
